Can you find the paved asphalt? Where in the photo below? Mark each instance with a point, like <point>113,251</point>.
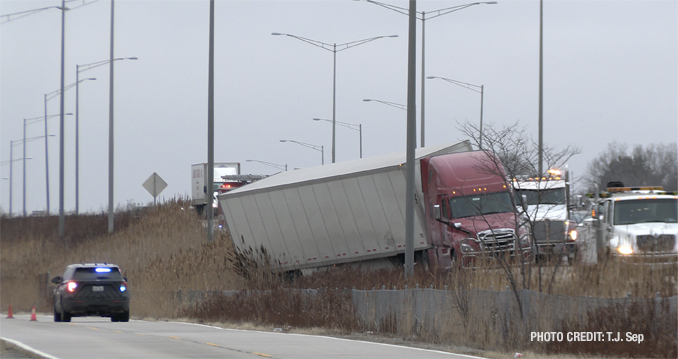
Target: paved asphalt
<point>94,338</point>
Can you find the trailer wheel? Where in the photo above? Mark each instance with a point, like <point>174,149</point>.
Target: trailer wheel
<point>421,258</point>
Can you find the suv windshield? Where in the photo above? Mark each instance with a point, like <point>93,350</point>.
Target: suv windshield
<point>545,196</point>
<point>92,273</point>
<point>486,203</point>
<point>646,210</point>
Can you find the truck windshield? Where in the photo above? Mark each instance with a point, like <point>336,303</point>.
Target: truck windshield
<point>545,196</point>
<point>481,204</point>
<point>646,210</point>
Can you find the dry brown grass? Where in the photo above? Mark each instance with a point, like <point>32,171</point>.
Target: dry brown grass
<point>161,250</point>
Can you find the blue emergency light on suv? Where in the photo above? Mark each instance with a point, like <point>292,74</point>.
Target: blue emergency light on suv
<point>91,289</point>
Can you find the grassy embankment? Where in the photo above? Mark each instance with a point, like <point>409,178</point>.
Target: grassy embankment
<point>162,251</point>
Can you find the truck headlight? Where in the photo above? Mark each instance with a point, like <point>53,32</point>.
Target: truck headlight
<point>465,247</point>
<point>525,240</point>
<point>573,234</point>
<point>625,250</point>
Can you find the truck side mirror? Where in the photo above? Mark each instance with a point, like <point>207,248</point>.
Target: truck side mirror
<point>436,212</point>
<point>56,280</point>
<point>524,202</point>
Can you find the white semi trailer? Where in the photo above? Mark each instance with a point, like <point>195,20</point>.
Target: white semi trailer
<point>314,217</point>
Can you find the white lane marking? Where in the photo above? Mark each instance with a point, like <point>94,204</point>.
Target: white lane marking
<point>320,336</point>
<point>27,348</point>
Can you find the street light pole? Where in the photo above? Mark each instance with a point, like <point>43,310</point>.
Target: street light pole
<point>411,140</point>
<point>210,127</point>
<point>78,70</point>
<point>23,169</point>
<point>348,125</point>
<point>423,18</point>
<point>111,219</point>
<point>43,118</point>
<point>333,49</point>
<point>541,87</point>
<point>61,120</point>
<point>11,161</point>
<point>314,147</point>
<point>474,88</point>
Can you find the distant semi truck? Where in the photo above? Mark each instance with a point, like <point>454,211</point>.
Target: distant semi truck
<point>354,212</point>
<point>200,196</point>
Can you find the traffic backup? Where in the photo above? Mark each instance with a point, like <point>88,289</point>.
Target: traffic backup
<point>91,289</point>
<point>639,224</point>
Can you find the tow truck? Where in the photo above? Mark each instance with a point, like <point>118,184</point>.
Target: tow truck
<point>544,202</point>
<point>638,224</point>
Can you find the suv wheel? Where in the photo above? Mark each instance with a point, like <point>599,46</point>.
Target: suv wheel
<point>122,317</point>
<point>65,316</point>
<point>57,315</point>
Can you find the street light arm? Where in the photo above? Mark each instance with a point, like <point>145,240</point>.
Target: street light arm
<point>333,47</point>
<point>469,86</point>
<point>16,160</point>
<point>18,142</point>
<point>21,14</point>
<point>85,67</point>
<point>422,15</point>
<point>25,13</point>
<point>315,147</point>
<point>42,118</point>
<point>445,11</point>
<point>84,2</point>
<point>392,104</point>
<point>397,9</point>
<point>55,93</point>
<point>344,124</point>
<point>276,166</point>
<point>320,44</point>
<point>351,44</point>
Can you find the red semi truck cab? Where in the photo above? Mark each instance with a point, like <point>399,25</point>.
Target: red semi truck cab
<point>470,215</point>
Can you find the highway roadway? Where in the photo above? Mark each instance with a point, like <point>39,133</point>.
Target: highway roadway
<point>99,338</point>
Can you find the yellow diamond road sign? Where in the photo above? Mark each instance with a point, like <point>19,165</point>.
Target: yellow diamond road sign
<point>154,185</point>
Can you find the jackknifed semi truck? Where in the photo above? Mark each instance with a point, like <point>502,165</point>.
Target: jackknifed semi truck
<point>354,212</point>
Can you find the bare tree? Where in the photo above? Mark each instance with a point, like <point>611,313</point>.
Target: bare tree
<point>652,165</point>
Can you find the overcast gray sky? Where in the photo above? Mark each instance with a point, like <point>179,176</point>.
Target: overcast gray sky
<point>610,74</point>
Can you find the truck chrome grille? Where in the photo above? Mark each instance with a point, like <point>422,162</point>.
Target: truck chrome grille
<point>497,240</point>
<point>662,243</point>
<point>549,231</point>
